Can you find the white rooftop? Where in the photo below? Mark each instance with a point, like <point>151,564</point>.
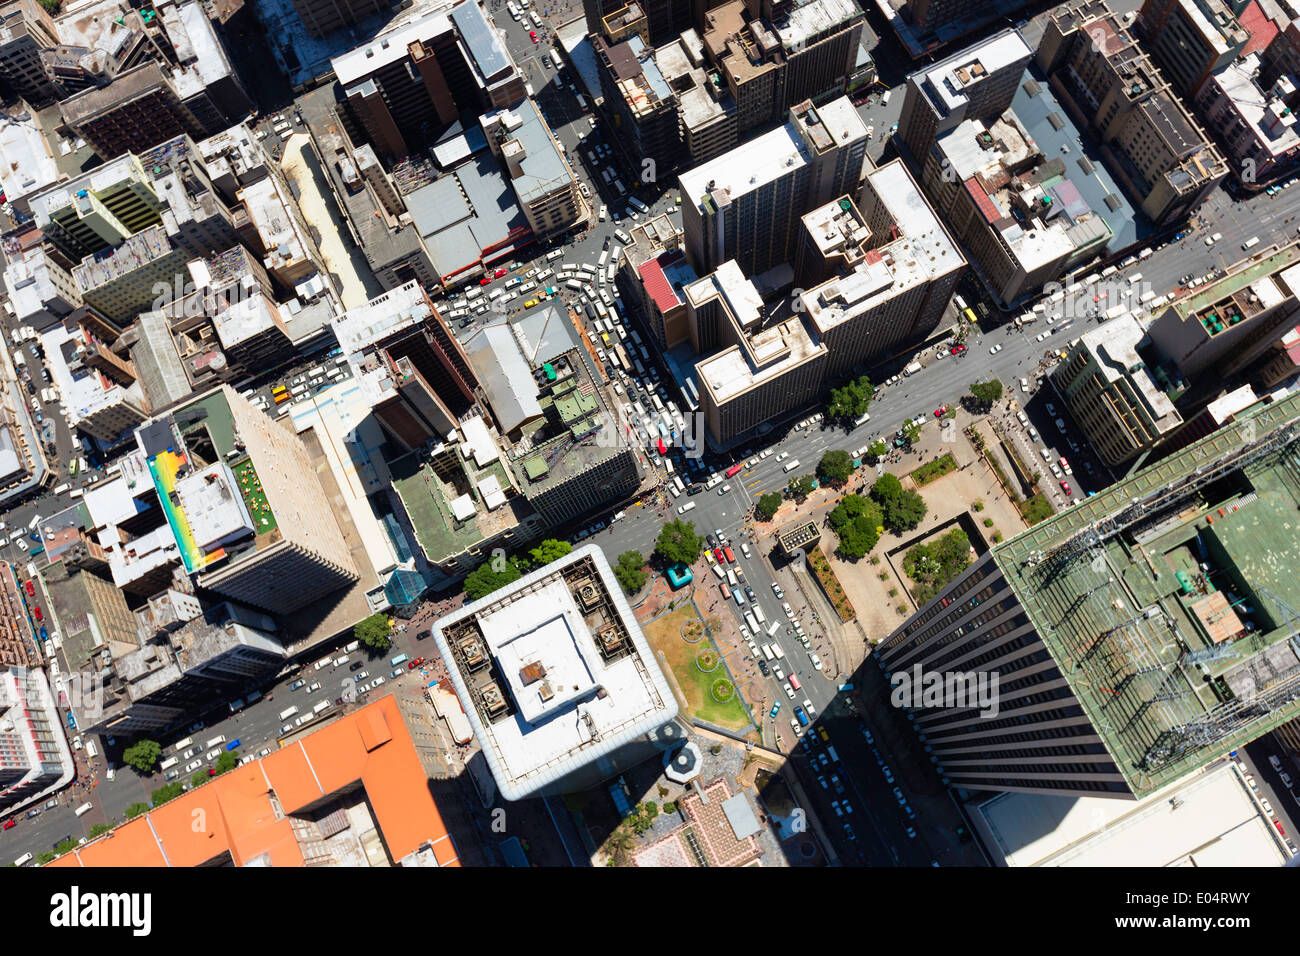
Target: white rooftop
<point>1207,819</point>
<point>390,47</point>
<point>357,329</point>
<point>580,708</point>
<point>28,165</point>
<point>1113,346</point>
<point>1267,115</point>
<point>270,213</point>
<point>949,78</point>
<point>213,506</point>
<point>749,167</point>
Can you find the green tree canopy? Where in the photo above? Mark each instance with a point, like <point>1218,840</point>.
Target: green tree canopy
<point>885,489</point>
<point>678,543</point>
<point>986,393</point>
<point>486,578</point>
<point>933,564</point>
<point>135,809</point>
<point>767,506</point>
<point>142,755</point>
<point>911,432</point>
<point>630,571</point>
<point>45,856</point>
<point>549,550</point>
<point>373,631</point>
<point>802,486</point>
<point>850,400</point>
<point>170,792</point>
<point>901,510</point>
<point>65,846</point>
<point>199,778</point>
<point>228,760</point>
<point>857,521</point>
<point>878,449</point>
<point>835,467</point>
<point>99,829</point>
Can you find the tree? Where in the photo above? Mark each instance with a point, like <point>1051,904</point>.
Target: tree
<point>99,829</point>
<point>227,761</point>
<point>630,571</point>
<point>767,506</point>
<point>678,543</point>
<point>986,393</point>
<point>802,486</point>
<point>857,521</point>
<point>835,467</point>
<point>135,809</point>
<point>551,549</point>
<point>143,754</point>
<point>45,856</point>
<point>198,778</point>
<point>911,432</point>
<point>901,510</point>
<point>878,449</point>
<point>485,579</point>
<point>65,846</point>
<point>373,631</point>
<point>169,792</point>
<point>850,400</point>
<point>887,488</point>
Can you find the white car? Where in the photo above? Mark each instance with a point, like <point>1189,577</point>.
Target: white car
<point>212,754</point>
<point>1024,385</point>
<point>994,350</point>
<point>313,688</point>
<point>789,691</point>
<point>191,767</point>
<point>303,719</point>
<point>783,456</point>
<point>816,661</point>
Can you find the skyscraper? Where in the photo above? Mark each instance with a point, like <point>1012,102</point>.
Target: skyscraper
<point>1134,637</point>
<point>746,204</point>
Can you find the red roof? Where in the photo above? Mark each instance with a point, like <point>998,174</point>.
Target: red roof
<point>982,200</point>
<point>657,284</point>
<point>1261,28</point>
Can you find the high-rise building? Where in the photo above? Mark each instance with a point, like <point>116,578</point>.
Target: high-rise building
<point>1255,124</point>
<point>1163,158</point>
<point>406,86</point>
<point>758,370</point>
<point>138,110</point>
<point>33,754</point>
<point>537,168</point>
<point>1134,637</point>
<point>559,684</point>
<point>247,511</point>
<point>746,204</point>
<point>325,16</point>
<point>895,268</point>
<point>636,93</point>
<point>1112,394</point>
<point>1191,39</point>
<point>977,83</point>
<point>415,373</point>
<point>772,57</point>
<point>26,32</point>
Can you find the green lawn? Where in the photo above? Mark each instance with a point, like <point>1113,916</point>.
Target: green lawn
<point>934,469</point>
<point>665,636</point>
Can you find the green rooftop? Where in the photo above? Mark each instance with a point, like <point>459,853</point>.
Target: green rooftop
<point>1234,283</point>
<point>1168,601</point>
<point>427,491</point>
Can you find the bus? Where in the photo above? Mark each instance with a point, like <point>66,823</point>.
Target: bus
<point>735,469</point>
<point>555,59</point>
<point>621,355</point>
<point>399,659</point>
<point>767,651</point>
<point>970,316</point>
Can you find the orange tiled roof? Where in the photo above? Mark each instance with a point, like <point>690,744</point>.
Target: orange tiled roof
<point>235,813</point>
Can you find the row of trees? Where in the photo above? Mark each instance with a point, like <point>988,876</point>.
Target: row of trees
<point>498,571</point>
<point>851,400</point>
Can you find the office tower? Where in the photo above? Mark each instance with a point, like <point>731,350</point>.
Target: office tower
<point>557,680</point>
<point>138,110</point>
<point>760,370</point>
<point>412,368</point>
<point>536,167</point>
<point>1165,161</point>
<point>1254,124</point>
<point>33,755</point>
<point>27,31</point>
<point>1136,636</point>
<point>637,94</point>
<point>977,83</point>
<point>1112,394</point>
<point>1190,39</point>
<point>248,514</point>
<point>325,16</point>
<point>887,271</point>
<point>406,86</point>
<point>746,204</point>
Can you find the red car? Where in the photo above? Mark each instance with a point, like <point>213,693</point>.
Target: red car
<point>719,556</point>
<point>415,663</point>
<point>485,280</point>
<point>37,611</point>
<point>1065,486</point>
<point>957,349</point>
<point>1276,823</point>
<point>499,273</point>
<point>533,35</point>
<point>10,824</point>
<point>939,412</point>
<point>31,589</point>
